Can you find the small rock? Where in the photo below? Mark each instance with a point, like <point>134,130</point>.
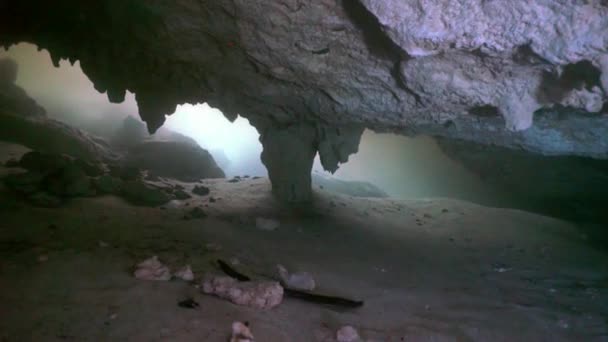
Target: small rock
<point>234,180</point>
<point>347,334</point>
<point>241,333</point>
<point>103,244</point>
<point>299,281</point>
<point>196,213</point>
<point>266,224</point>
<point>181,195</point>
<point>444,210</point>
<point>185,273</point>
<point>43,258</point>
<point>211,200</point>
<point>152,269</point>
<point>256,294</point>
<point>201,190</point>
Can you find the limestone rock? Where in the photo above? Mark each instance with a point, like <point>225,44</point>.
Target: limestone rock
<point>185,273</point>
<point>201,190</point>
<point>241,333</point>
<point>288,155</point>
<point>13,99</point>
<point>256,294</point>
<point>152,269</point>
<point>50,136</point>
<point>173,159</point>
<point>69,181</point>
<point>298,280</point>
<point>139,193</point>
<point>347,334</point>
<point>181,195</point>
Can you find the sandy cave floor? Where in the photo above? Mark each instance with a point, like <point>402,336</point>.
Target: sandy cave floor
<point>429,270</point>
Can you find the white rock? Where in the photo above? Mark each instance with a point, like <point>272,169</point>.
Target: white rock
<point>347,334</point>
<point>257,294</point>
<point>299,280</point>
<point>152,269</point>
<point>185,273</point>
<point>241,333</point>
<point>266,224</point>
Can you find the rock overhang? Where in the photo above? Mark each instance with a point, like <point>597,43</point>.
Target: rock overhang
<point>514,74</point>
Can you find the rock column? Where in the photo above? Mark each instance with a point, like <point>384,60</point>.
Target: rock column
<point>288,155</point>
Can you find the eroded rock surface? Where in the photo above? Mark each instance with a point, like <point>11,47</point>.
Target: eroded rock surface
<point>257,294</point>
<point>360,61</point>
<point>302,71</point>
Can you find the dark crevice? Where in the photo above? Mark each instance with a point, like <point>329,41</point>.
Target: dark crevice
<point>323,51</point>
<point>524,55</point>
<point>581,75</point>
<point>484,111</point>
<point>377,42</point>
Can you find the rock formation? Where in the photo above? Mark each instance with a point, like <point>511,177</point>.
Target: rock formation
<point>13,99</point>
<point>520,74</point>
<point>179,160</point>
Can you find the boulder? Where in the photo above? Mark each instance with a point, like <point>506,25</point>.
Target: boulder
<point>107,184</point>
<point>201,190</point>
<point>69,181</point>
<point>139,193</point>
<point>171,159</point>
<point>26,183</point>
<point>181,195</point>
<point>43,163</point>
